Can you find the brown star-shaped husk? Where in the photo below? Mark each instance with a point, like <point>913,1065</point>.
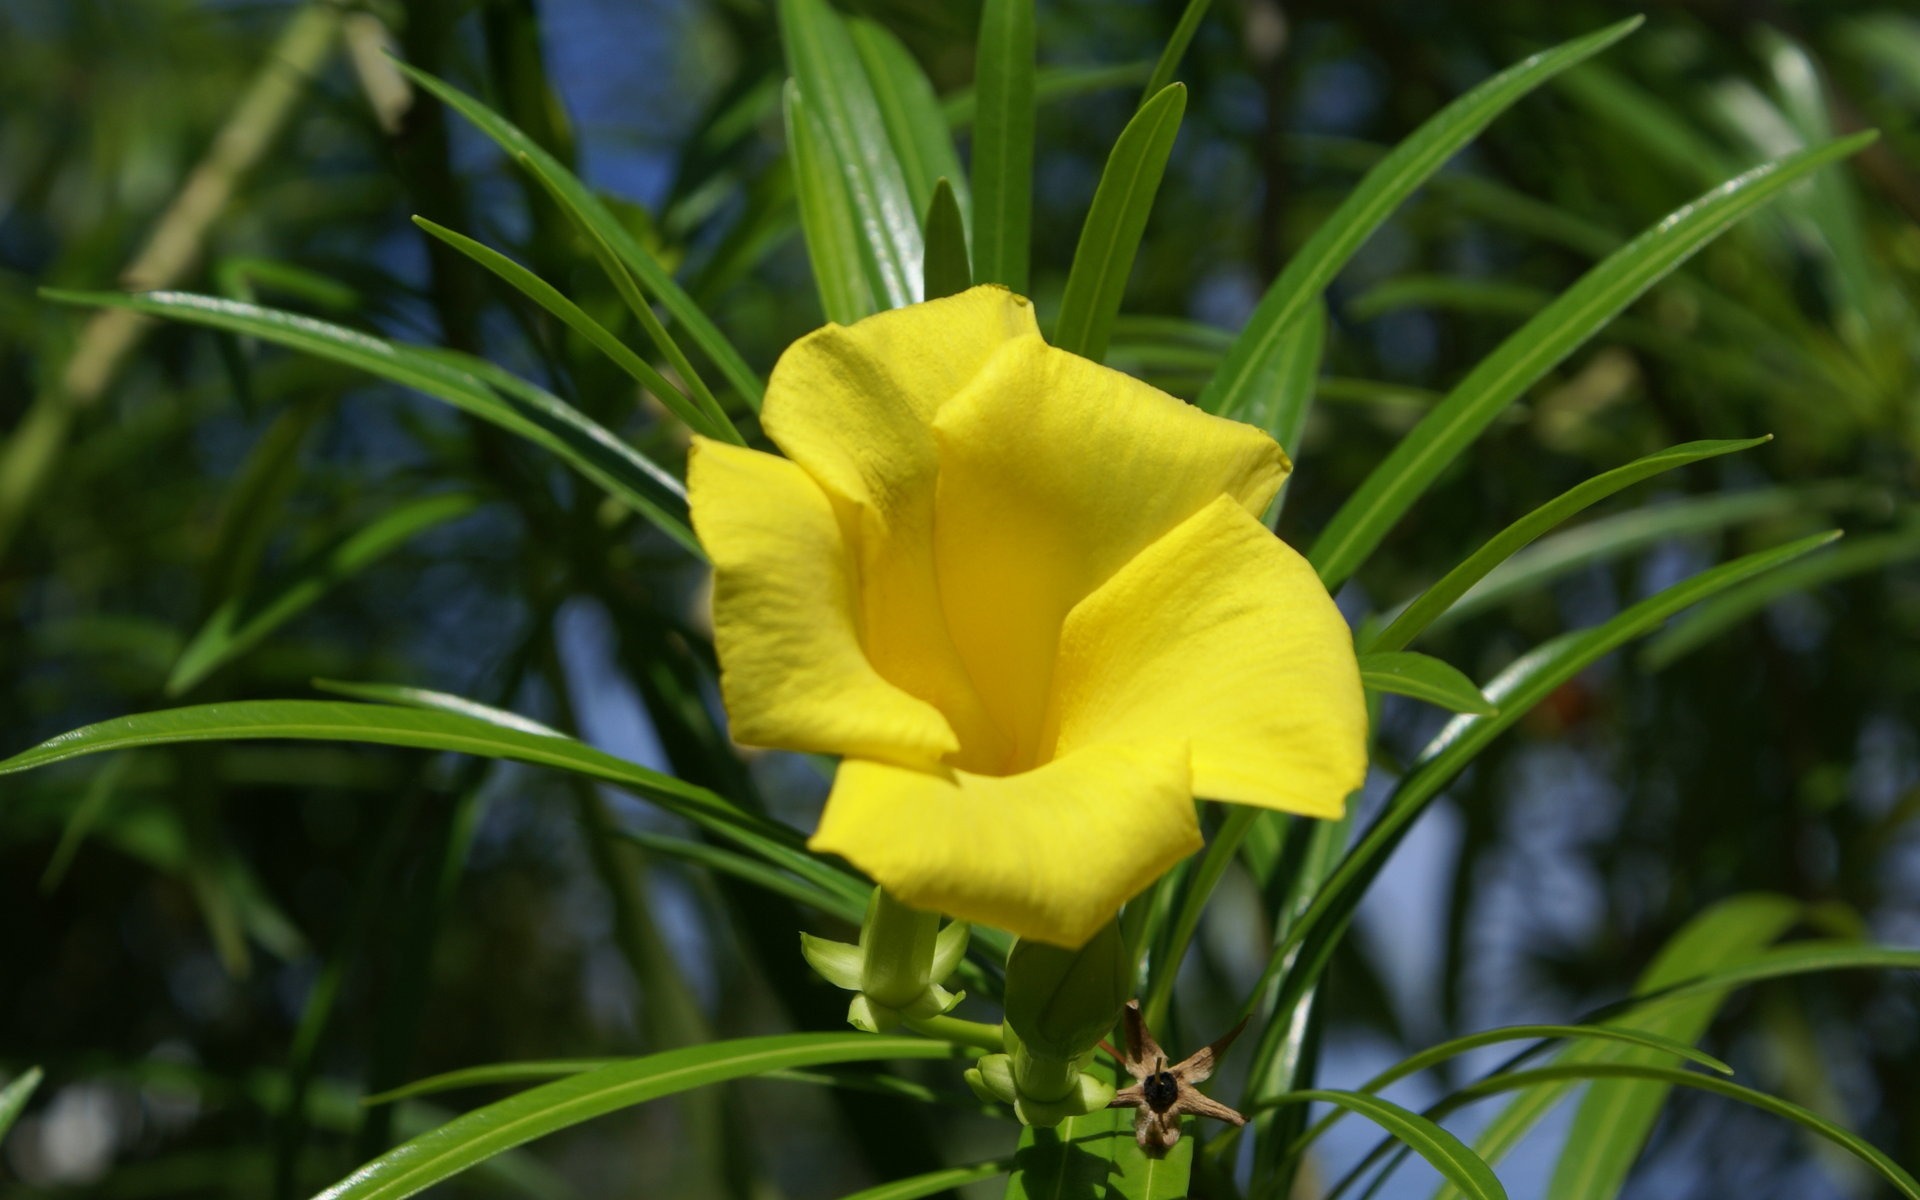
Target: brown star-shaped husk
<point>1161,1095</point>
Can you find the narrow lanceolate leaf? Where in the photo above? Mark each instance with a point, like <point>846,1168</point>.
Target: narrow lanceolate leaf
<point>934,1182</point>
<point>1613,1074</point>
<point>827,220</point>
<point>1531,679</point>
<point>1555,332</point>
<point>947,270</point>
<point>1423,678</point>
<point>1449,1155</point>
<point>1111,237</point>
<point>472,385</point>
<point>653,277</point>
<point>1711,620</point>
<point>1731,932</point>
<point>834,87</point>
<point>572,315</point>
<point>1050,84</point>
<point>479,1135</point>
<point>1615,537</point>
<point>1368,206</point>
<point>387,725</point>
<point>1003,143</point>
<point>243,621</point>
<point>1176,48</point>
<point>922,140</point>
<point>1428,606</point>
<point>14,1097</point>
<point>768,842</point>
<point>697,406</point>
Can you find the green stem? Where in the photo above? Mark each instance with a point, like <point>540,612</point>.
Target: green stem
<point>961,1033</point>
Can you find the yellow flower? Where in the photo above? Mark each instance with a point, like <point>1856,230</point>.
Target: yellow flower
<point>1030,602</point>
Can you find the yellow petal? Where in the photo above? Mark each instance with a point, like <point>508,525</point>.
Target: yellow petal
<point>1049,854</point>
<point>853,405</point>
<point>1054,473</point>
<point>1219,633</point>
<point>792,671</point>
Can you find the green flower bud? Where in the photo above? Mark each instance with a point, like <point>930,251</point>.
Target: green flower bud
<point>1062,1002</point>
<point>897,968</point>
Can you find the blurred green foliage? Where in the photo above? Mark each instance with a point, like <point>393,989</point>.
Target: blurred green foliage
<point>214,950</point>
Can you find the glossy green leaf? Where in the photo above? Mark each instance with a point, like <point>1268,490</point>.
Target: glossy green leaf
<point>1071,1161</point>
<point>492,1075</point>
<point>934,1182</point>
<point>917,128</point>
<point>572,315</point>
<point>1423,678</point>
<point>1450,1156</point>
<point>581,200</point>
<point>947,270</point>
<point>1731,932</point>
<point>834,88</point>
<point>243,622</point>
<point>14,1097</point>
<point>1555,332</point>
<point>1369,205</point>
<point>1175,49</point>
<point>1616,1074</point>
<point>1780,962</point>
<point>847,902</point>
<point>1711,620</point>
<point>1516,691</point>
<point>1613,537</point>
<point>1003,143</point>
<point>1196,889</point>
<point>472,385</point>
<point>826,218</point>
<point>1111,236</point>
<point>1143,1176</point>
<point>476,1136</point>
<point>772,844</point>
<point>1427,607</point>
<point>387,725</point>
<point>697,405</point>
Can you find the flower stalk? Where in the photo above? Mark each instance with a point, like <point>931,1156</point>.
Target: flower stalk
<point>897,967</point>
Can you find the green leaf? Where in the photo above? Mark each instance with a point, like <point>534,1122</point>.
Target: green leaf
<point>241,623</point>
<point>472,385</point>
<point>1613,537</point>
<point>1291,375</point>
<point>479,1135</point>
<point>1711,620</point>
<point>1428,606</point>
<point>1073,1160</point>
<point>918,130</point>
<point>1449,1155</point>
<point>491,1075</point>
<point>849,902</point>
<point>934,1182</point>
<point>388,725</point>
<point>827,218</point>
<point>1308,947</point>
<point>1423,678</point>
<point>1199,885</point>
<point>1144,1176</point>
<point>1780,962</point>
<point>1731,932</point>
<point>1175,49</point>
<point>772,843</point>
<point>698,407</point>
<point>1367,207</point>
<point>14,1097</point>
<point>947,270</point>
<point>1641,1074</point>
<point>1111,236</point>
<point>581,200</point>
<point>833,85</point>
<point>1003,143</point>
<point>1412,466</point>
<point>572,315</point>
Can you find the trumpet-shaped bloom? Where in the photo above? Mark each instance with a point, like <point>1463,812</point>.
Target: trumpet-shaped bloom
<point>1030,601</point>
